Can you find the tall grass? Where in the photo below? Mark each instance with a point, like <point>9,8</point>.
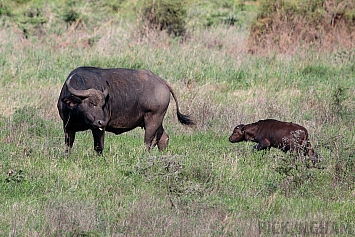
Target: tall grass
<point>202,185</point>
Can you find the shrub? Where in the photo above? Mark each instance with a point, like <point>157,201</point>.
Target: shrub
<point>70,16</point>
<point>4,9</point>
<point>286,25</point>
<point>163,15</point>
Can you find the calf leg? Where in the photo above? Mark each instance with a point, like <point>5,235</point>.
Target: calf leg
<point>313,156</point>
<point>262,144</point>
<point>308,150</point>
<point>98,140</point>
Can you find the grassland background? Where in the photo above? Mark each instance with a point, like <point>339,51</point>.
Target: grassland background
<point>202,185</point>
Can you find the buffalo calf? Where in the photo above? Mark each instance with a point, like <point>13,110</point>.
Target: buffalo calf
<point>269,133</point>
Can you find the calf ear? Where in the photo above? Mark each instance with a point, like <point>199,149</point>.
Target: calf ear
<point>242,127</point>
<point>71,101</point>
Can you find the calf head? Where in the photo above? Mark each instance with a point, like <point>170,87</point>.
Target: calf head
<point>89,104</point>
<point>238,134</point>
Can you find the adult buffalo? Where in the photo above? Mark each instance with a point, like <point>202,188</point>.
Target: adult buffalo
<point>273,133</point>
<point>116,100</point>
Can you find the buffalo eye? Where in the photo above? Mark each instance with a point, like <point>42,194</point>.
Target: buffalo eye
<point>91,104</point>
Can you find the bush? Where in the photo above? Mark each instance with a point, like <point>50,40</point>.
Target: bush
<point>163,15</point>
<point>286,25</point>
<point>4,9</point>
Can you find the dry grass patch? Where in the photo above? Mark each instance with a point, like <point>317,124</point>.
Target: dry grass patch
<point>45,97</point>
<point>71,218</point>
<point>224,40</point>
<point>153,217</point>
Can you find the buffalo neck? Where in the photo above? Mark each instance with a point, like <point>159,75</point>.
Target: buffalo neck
<point>250,132</point>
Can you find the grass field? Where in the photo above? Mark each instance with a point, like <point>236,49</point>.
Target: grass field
<point>202,185</point>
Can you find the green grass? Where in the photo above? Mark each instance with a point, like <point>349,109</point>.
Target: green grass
<point>202,185</point>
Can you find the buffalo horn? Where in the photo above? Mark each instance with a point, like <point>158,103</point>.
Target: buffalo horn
<point>78,93</point>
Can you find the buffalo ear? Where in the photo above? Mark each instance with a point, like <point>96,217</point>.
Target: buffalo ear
<point>71,101</point>
<point>106,90</point>
<point>242,127</point>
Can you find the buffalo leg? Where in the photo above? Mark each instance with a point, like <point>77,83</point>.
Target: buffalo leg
<point>69,136</point>
<point>98,140</point>
<point>152,136</point>
<point>154,130</point>
<point>163,139</point>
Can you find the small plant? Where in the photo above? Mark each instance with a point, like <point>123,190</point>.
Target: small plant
<point>71,16</point>
<point>15,176</point>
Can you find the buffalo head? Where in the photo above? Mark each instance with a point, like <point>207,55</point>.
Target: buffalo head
<point>238,134</point>
<point>89,103</point>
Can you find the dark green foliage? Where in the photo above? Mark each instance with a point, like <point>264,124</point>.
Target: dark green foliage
<point>163,15</point>
<point>5,10</point>
<point>15,176</point>
<point>22,1</point>
<point>70,16</point>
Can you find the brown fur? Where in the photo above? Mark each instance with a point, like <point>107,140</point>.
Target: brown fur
<point>269,133</point>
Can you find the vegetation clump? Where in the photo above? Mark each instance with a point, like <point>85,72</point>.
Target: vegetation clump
<point>286,25</point>
<point>163,15</point>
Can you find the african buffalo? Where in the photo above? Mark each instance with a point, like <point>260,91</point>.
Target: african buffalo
<point>273,133</point>
<point>116,100</point>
